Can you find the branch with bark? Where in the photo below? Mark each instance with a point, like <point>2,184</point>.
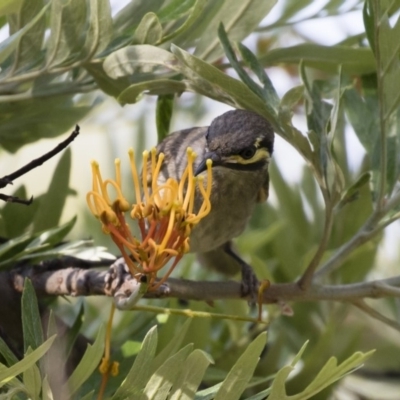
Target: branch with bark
<point>72,281</point>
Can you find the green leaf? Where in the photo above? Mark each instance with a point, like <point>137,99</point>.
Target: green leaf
<point>192,373</point>
<point>130,348</point>
<point>130,16</point>
<point>289,101</point>
<point>357,61</point>
<point>52,236</point>
<point>163,87</point>
<point>52,203</point>
<point>88,396</point>
<point>30,44</point>
<point>47,118</point>
<point>32,380</point>
<point>239,22</point>
<point>15,219</point>
<point>141,370</point>
<point>100,29</point>
<point>7,374</point>
<point>172,347</point>
<point>160,383</point>
<point>209,393</point>
<point>363,116</point>
<point>31,320</point>
<point>174,10</point>
<point>10,6</point>
<point>353,191</point>
<point>112,87</point>
<point>14,246</point>
<point>13,41</point>
<point>13,384</point>
<point>330,373</point>
<point>270,94</point>
<point>241,373</point>
<point>67,22</point>
<point>26,246</point>
<point>388,65</point>
<point>75,329</point>
<point>368,17</point>
<point>164,108</point>
<point>8,355</point>
<point>230,90</point>
<point>89,362</point>
<point>223,37</point>
<point>47,393</point>
<point>196,10</point>
<point>149,30</point>
<point>133,59</point>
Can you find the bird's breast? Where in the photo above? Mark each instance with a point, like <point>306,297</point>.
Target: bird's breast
<point>233,197</point>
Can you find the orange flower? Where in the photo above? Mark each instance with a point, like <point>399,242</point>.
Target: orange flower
<point>164,213</point>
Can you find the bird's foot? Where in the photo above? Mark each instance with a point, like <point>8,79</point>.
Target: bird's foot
<point>250,284</point>
<point>116,276</point>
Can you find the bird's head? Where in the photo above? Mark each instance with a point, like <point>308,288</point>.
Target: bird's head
<point>240,140</point>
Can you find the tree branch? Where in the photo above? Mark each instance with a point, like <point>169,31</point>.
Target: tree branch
<point>82,282</point>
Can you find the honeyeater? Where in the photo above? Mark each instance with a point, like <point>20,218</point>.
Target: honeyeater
<point>240,145</point>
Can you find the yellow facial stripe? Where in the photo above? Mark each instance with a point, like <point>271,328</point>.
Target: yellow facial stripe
<point>260,154</point>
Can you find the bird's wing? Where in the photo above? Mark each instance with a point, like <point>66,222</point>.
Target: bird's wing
<point>174,147</point>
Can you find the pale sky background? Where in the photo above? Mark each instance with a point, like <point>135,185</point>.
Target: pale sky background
<point>108,131</point>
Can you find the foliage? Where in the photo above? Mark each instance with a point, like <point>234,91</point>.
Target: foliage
<point>62,58</point>
<point>173,373</point>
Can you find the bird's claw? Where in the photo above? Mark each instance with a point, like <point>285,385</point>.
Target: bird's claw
<point>250,284</point>
<point>116,276</point>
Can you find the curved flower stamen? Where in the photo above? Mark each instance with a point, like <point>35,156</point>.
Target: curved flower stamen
<point>165,213</point>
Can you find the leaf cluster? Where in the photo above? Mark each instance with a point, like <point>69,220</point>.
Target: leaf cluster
<point>175,372</point>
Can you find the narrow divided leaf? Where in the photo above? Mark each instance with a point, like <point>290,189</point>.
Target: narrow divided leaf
<point>330,373</point>
<point>90,361</point>
<point>8,373</point>
<point>172,347</point>
<point>31,321</point>
<point>192,373</point>
<point>160,383</point>
<point>52,203</point>
<point>8,355</point>
<point>141,370</point>
<point>32,380</point>
<point>239,376</point>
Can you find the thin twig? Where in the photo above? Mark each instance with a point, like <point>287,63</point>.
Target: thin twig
<point>39,161</point>
<point>307,277</point>
<point>363,306</point>
<point>364,234</point>
<point>8,179</point>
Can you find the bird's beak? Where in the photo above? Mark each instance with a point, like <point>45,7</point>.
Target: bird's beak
<point>214,157</point>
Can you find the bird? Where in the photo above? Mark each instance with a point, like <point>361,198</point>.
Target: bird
<point>240,144</point>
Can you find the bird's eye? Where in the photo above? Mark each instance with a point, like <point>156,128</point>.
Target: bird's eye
<point>248,152</point>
